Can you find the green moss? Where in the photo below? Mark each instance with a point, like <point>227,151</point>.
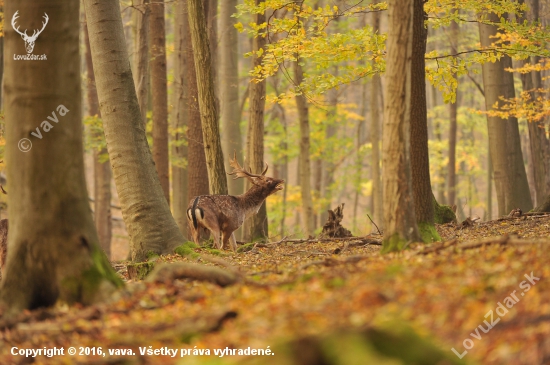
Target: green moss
<point>393,244</point>
<point>86,287</point>
<point>428,233</point>
<point>151,255</point>
<point>246,247</point>
<point>141,269</point>
<point>443,213</point>
<point>187,250</point>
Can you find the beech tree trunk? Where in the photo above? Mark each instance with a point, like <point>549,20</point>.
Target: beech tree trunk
<point>229,90</point>
<point>145,210</point>
<point>53,246</point>
<point>537,132</point>
<point>256,227</point>
<point>504,142</point>
<point>102,171</point>
<point>399,213</point>
<point>180,118</point>
<point>207,98</point>
<point>196,165</point>
<point>305,165</point>
<point>141,78</point>
<point>160,95</point>
<point>375,92</point>
<point>420,162</point>
<point>453,111</point>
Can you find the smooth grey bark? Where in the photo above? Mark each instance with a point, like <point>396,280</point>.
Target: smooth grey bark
<point>53,251</point>
<point>145,210</point>
<point>453,111</point>
<point>508,168</point>
<point>180,118</point>
<point>229,89</point>
<point>399,215</point>
<point>207,99</point>
<point>375,92</point>
<point>159,94</point>
<point>141,77</point>
<point>102,170</point>
<point>305,160</point>
<point>256,227</point>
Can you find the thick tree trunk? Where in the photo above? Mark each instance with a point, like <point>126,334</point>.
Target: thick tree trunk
<point>207,98</point>
<point>145,210</point>
<point>141,78</point>
<point>256,227</point>
<point>53,246</point>
<point>180,118</point>
<point>508,168</point>
<point>305,165</point>
<point>453,109</point>
<point>399,213</point>
<point>229,89</point>
<point>102,171</point>
<point>420,162</point>
<point>160,95</point>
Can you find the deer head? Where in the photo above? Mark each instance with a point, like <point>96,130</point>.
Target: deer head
<point>29,41</point>
<point>269,184</point>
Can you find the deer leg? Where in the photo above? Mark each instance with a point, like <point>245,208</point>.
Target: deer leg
<point>233,242</point>
<point>217,239</point>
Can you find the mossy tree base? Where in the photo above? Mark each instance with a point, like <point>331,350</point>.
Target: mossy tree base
<point>393,244</point>
<point>443,213</point>
<point>428,233</point>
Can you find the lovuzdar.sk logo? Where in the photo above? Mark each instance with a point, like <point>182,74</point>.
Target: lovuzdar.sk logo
<point>29,40</point>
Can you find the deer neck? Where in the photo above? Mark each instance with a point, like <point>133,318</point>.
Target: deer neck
<point>253,199</point>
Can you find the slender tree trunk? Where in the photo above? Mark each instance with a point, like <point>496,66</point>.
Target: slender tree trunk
<point>141,78</point>
<point>327,164</point>
<point>196,166</point>
<point>180,118</point>
<point>420,163</point>
<point>160,95</point>
<point>53,246</point>
<point>207,98</point>
<point>537,137</point>
<point>399,213</point>
<point>145,210</point>
<point>453,109</point>
<point>375,92</point>
<point>102,171</point>
<point>305,165</point>
<point>509,171</point>
<point>229,89</point>
<point>256,227</point>
<point>537,84</point>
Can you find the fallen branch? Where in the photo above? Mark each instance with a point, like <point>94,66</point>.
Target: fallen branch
<point>364,240</point>
<point>167,273</point>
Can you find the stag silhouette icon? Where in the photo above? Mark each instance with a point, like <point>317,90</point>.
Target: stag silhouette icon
<point>29,41</point>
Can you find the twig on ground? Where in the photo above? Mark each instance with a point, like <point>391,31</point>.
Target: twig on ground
<point>378,229</point>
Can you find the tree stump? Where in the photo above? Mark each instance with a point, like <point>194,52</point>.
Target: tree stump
<point>333,226</point>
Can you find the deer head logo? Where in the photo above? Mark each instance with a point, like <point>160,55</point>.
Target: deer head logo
<point>29,40</point>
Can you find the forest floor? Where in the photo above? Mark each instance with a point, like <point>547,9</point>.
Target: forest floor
<point>330,302</point>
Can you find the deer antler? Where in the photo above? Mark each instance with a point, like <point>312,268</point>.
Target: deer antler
<point>239,172</point>
<point>35,34</point>
<point>13,19</point>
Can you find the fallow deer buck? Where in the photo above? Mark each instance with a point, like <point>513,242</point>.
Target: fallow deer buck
<point>224,214</point>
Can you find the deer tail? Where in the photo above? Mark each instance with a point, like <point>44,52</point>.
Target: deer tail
<point>192,213</point>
